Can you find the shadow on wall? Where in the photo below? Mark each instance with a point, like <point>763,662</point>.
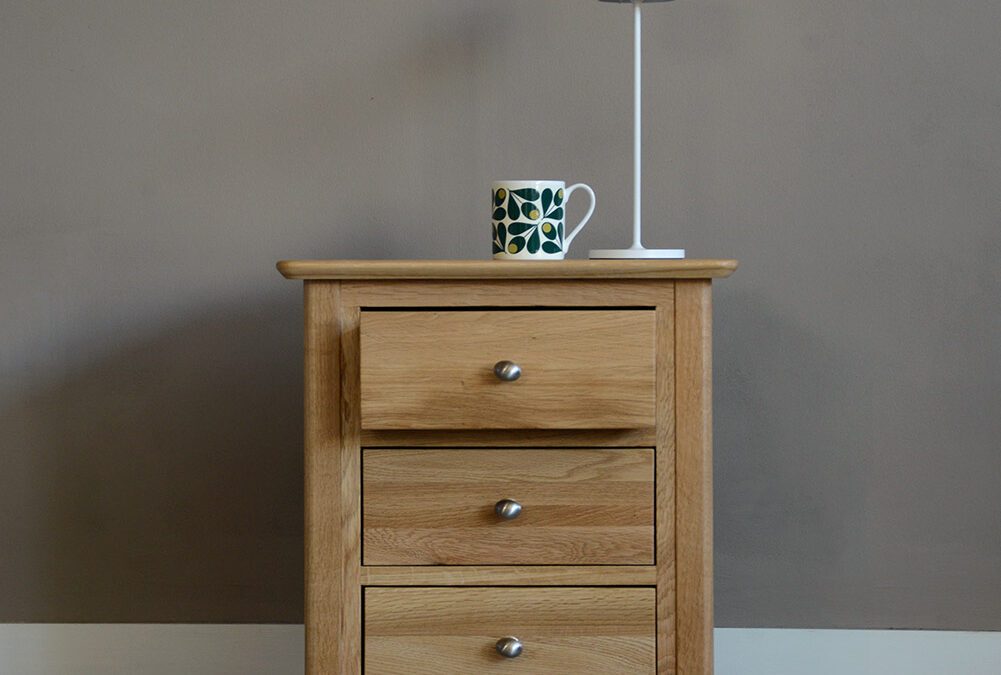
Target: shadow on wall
<point>163,482</point>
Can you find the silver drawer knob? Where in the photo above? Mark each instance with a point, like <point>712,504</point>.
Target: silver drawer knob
<point>509,647</point>
<point>508,509</point>
<point>509,371</point>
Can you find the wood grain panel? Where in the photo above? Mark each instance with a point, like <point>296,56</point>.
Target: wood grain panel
<point>666,588</point>
<point>694,496</point>
<point>580,369</point>
<point>436,507</point>
<point>510,575</point>
<point>504,293</point>
<point>525,438</point>
<point>448,631</point>
<point>347,498</point>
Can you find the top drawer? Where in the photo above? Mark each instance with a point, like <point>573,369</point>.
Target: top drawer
<point>580,369</point>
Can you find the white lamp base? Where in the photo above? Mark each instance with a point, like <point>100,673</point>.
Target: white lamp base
<point>636,253</point>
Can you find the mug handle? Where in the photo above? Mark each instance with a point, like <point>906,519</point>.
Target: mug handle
<point>587,216</point>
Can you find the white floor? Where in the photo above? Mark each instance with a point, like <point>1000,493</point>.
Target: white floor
<point>217,649</point>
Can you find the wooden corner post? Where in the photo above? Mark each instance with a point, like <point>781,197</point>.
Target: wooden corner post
<point>694,495</point>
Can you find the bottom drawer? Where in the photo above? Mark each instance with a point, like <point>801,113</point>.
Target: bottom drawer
<point>561,630</point>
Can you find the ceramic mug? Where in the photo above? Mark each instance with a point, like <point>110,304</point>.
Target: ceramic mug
<point>529,219</point>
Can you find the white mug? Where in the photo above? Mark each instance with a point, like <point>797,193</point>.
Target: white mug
<point>529,218</point>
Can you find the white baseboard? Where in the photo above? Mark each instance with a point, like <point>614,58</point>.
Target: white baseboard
<point>783,651</point>
<point>227,649</point>
<point>151,649</point>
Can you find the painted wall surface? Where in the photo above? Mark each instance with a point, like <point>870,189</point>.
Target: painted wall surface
<point>159,157</point>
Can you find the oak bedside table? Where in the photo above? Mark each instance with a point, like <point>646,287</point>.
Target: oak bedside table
<point>508,466</point>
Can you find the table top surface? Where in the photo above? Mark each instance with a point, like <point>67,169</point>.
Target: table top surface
<point>505,269</point>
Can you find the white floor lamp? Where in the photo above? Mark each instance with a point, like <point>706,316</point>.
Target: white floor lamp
<point>637,250</point>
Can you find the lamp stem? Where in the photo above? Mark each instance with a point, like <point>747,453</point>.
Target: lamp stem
<point>637,125</point>
<point>636,251</point>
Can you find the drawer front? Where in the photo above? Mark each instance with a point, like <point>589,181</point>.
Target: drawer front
<point>449,631</point>
<point>439,507</point>
<point>579,369</point>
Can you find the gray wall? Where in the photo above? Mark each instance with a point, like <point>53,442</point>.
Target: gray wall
<point>159,157</point>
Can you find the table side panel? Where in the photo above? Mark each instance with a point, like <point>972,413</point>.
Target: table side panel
<point>324,575</point>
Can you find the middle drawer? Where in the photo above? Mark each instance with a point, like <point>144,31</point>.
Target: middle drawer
<point>508,507</point>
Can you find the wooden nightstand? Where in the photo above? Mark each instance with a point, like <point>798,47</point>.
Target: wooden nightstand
<point>508,466</point>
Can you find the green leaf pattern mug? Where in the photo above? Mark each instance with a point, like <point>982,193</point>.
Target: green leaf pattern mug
<point>529,219</point>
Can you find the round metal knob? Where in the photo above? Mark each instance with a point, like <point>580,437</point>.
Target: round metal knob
<point>509,647</point>
<point>508,509</point>
<point>509,371</point>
